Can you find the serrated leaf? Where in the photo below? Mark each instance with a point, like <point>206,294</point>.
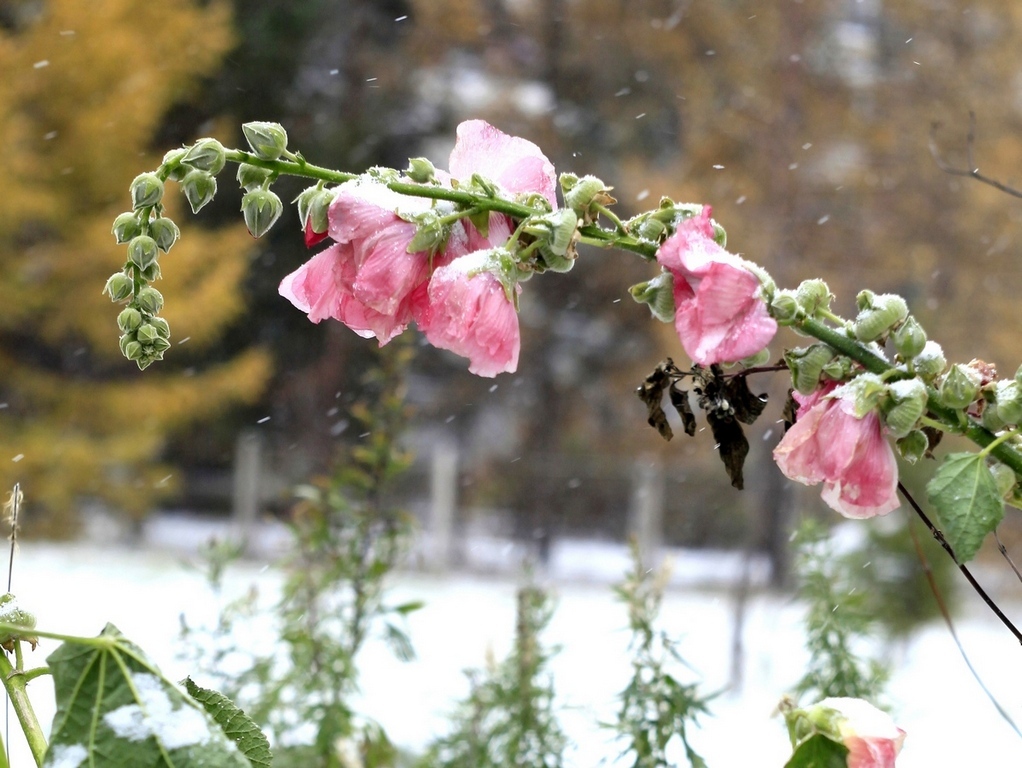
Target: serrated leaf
<point>819,751</point>
<point>236,725</point>
<point>964,495</point>
<point>115,707</point>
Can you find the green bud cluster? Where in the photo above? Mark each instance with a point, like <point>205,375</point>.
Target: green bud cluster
<point>806,365</point>
<point>584,195</point>
<point>879,314</point>
<point>556,234</point>
<point>905,405</point>
<point>813,296</point>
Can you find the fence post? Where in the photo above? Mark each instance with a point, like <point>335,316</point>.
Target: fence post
<point>647,509</point>
<point>444,501</point>
<point>246,484</point>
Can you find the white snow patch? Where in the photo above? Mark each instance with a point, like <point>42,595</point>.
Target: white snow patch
<point>156,716</point>
<point>67,756</point>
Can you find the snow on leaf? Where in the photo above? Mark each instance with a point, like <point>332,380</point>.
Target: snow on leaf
<point>114,703</point>
<point>964,494</point>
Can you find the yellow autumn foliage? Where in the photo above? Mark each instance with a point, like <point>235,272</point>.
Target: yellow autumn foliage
<point>85,87</point>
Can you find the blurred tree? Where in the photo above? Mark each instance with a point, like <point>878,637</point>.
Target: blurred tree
<point>86,86</point>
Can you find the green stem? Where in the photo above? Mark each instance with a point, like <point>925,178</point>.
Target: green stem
<point>1000,439</point>
<point>17,691</point>
<point>605,211</point>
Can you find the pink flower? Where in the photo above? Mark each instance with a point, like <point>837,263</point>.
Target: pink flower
<point>720,313</point>
<point>470,314</point>
<point>369,281</point>
<point>872,738</point>
<point>850,455</point>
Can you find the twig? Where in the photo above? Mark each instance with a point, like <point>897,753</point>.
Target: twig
<point>1004,553</point>
<point>965,571</point>
<point>972,171</point>
<point>942,605</point>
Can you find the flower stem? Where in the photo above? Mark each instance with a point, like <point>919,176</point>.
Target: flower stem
<point>16,684</point>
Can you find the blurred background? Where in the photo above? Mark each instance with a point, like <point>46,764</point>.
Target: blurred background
<point>805,124</point>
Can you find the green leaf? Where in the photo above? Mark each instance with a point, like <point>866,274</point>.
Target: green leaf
<point>116,709</point>
<point>964,494</point>
<point>236,725</point>
<point>819,751</point>
<point>410,607</point>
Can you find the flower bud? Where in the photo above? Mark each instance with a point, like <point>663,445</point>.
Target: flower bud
<point>313,208</point>
<point>162,326</point>
<point>133,350</point>
<point>806,365</point>
<point>268,140</point>
<point>906,404</point>
<point>813,295</point>
<point>199,188</point>
<point>124,340</point>
<point>913,446</point>
<point>159,345</point>
<point>930,363</point>
<point>152,273</point>
<point>584,195</point>
<point>149,300</point>
<point>785,307</point>
<point>146,334</point>
<point>206,155</point>
<point>142,251</point>
<point>126,226</point>
<point>1008,399</point>
<point>658,294</point>
<point>164,232</point>
<point>960,387</point>
<point>909,339</point>
<point>172,164</point>
<point>420,170</point>
<point>878,315</point>
<point>252,176</point>
<point>430,234</point>
<point>866,391</point>
<point>129,320</point>
<point>651,229</point>
<point>146,190</point>
<point>838,369</point>
<point>261,209</point>
<point>556,233</point>
<point>992,419</point>
<point>119,286</point>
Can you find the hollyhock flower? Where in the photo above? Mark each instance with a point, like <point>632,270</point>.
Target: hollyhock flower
<point>369,281</point>
<point>872,738</point>
<point>470,314</point>
<point>830,444</point>
<point>720,313</point>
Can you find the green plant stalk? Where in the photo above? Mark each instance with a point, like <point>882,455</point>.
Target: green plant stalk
<point>17,691</point>
<point>597,236</point>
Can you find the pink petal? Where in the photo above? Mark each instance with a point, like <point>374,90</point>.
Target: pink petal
<point>514,163</point>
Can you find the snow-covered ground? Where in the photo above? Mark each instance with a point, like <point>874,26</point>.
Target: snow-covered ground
<point>77,589</point>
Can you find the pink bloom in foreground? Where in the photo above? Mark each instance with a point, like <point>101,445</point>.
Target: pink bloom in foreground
<point>720,313</point>
<point>370,282</point>
<point>470,314</point>
<point>829,444</point>
<point>872,738</point>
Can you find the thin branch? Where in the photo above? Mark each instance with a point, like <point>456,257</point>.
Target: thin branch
<point>965,571</point>
<point>1006,556</point>
<point>942,605</point>
<point>971,171</point>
